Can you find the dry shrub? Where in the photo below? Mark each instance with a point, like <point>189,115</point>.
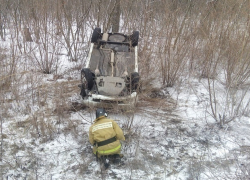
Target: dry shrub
<point>7,68</point>
<point>236,58</point>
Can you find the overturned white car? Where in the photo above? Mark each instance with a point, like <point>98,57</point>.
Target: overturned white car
<point>110,76</point>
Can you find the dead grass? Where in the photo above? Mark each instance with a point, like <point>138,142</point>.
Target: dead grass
<point>178,39</point>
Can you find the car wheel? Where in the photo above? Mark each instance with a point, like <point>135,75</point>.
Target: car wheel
<point>87,78</point>
<point>83,92</point>
<point>96,35</point>
<point>135,78</point>
<point>135,38</point>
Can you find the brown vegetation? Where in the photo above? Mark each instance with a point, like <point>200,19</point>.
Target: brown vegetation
<point>178,39</point>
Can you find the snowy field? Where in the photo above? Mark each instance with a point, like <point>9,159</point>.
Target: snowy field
<point>197,129</point>
<point>170,136</point>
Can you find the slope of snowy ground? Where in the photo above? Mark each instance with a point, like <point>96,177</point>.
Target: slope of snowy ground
<point>168,137</point>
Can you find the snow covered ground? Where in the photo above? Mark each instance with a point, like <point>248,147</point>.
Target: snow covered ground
<point>170,135</point>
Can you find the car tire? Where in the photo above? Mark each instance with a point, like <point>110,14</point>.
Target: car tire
<point>135,38</point>
<point>87,78</point>
<point>96,35</point>
<point>83,91</point>
<point>135,78</point>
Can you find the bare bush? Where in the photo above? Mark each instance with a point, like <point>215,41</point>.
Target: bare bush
<point>178,39</point>
<point>227,66</point>
<point>226,104</point>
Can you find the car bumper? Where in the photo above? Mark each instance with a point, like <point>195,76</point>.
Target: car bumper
<point>125,102</point>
